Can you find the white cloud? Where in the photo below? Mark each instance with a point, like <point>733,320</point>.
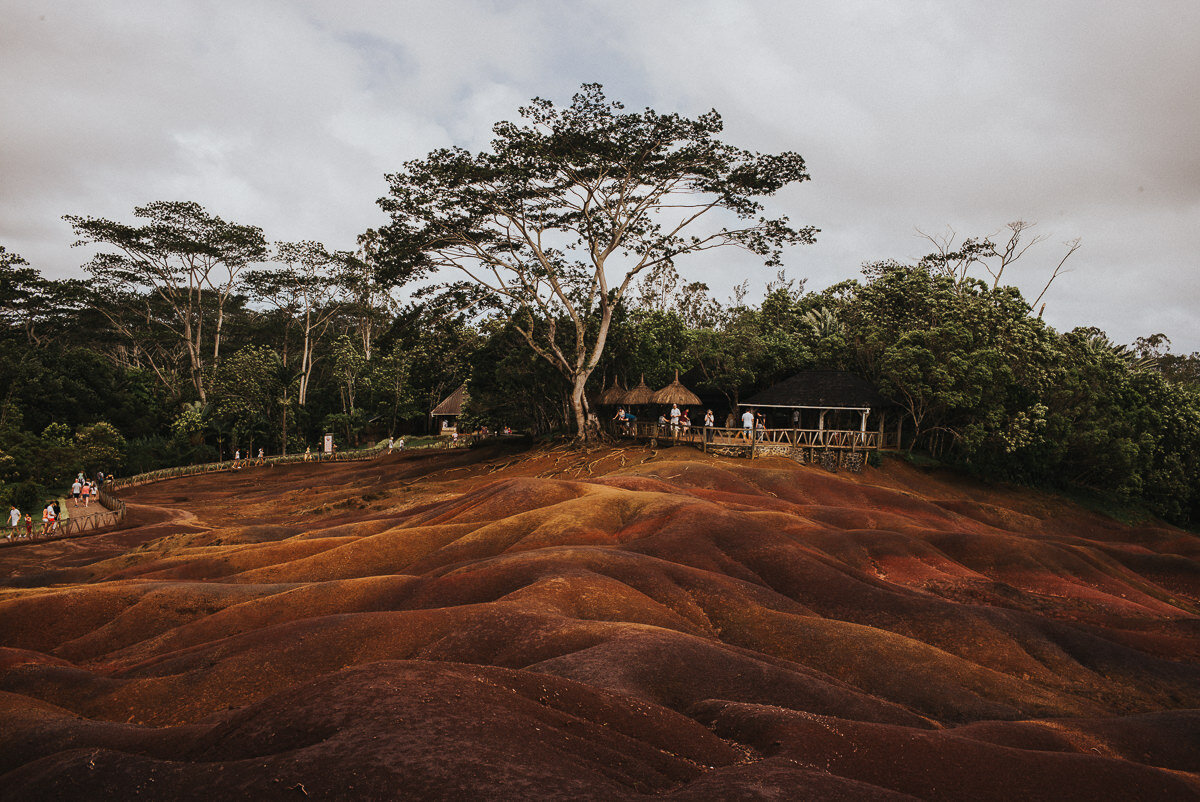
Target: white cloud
<point>288,115</point>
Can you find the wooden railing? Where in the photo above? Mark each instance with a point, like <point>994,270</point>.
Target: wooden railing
<point>230,465</point>
<point>115,506</point>
<point>722,436</point>
<point>114,513</point>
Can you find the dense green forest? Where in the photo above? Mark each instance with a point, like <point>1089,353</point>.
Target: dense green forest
<point>187,337</point>
<point>94,380</point>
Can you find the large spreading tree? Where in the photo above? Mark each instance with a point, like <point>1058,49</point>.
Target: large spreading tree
<point>553,224</point>
<point>183,259</point>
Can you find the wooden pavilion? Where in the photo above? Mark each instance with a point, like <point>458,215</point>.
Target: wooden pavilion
<point>449,410</point>
<point>827,405</point>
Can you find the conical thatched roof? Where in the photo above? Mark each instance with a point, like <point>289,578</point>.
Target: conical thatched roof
<point>642,394</point>
<point>675,393</point>
<point>613,395</point>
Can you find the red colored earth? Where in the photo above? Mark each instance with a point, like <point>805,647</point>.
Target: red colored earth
<point>502,625</point>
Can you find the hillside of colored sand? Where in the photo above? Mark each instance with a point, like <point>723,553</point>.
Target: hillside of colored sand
<point>492,624</point>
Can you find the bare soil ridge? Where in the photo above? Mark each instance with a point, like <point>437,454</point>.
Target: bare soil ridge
<point>605,625</point>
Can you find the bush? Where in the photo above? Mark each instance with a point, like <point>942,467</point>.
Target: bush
<point>26,496</point>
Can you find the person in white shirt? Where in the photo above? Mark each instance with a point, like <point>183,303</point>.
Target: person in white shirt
<point>75,491</point>
<point>14,519</point>
<point>747,423</point>
<point>674,417</point>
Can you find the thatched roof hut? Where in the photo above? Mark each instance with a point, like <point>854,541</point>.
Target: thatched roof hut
<point>613,395</point>
<point>676,393</point>
<point>642,394</point>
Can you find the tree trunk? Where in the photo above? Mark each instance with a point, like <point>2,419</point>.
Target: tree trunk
<point>577,406</point>
<point>193,348</point>
<point>306,358</point>
<point>217,332</point>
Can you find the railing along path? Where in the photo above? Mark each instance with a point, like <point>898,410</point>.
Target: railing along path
<point>115,509</point>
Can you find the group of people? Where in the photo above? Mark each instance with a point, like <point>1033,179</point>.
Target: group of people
<point>675,421</point>
<point>238,463</point>
<point>82,490</point>
<point>20,527</point>
<point>754,423</point>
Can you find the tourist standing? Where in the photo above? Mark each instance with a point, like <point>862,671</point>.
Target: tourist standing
<point>14,521</point>
<point>710,420</point>
<point>748,424</point>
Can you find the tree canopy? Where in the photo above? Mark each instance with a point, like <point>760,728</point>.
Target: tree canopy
<point>553,225</point>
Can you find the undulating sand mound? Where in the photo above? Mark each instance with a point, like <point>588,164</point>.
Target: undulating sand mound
<point>607,625</point>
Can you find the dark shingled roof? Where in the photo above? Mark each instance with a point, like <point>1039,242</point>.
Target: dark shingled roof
<point>453,403</point>
<point>819,388</point>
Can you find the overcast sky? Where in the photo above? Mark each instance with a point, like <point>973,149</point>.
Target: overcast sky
<point>1081,116</point>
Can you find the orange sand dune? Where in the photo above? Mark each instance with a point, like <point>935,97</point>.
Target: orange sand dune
<point>608,625</point>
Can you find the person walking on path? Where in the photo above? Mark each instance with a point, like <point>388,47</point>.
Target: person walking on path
<point>86,493</point>
<point>28,526</point>
<point>14,521</point>
<point>46,515</point>
<point>76,489</point>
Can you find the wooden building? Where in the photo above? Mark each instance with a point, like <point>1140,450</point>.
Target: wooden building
<point>449,410</point>
<point>826,401</point>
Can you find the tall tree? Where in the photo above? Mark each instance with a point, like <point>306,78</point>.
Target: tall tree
<point>369,303</point>
<point>184,256</point>
<point>558,219</point>
<point>309,288</point>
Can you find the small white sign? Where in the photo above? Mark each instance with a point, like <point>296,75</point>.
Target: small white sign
<point>328,444</point>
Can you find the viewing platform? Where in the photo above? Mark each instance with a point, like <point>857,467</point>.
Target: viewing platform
<point>828,447</point>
